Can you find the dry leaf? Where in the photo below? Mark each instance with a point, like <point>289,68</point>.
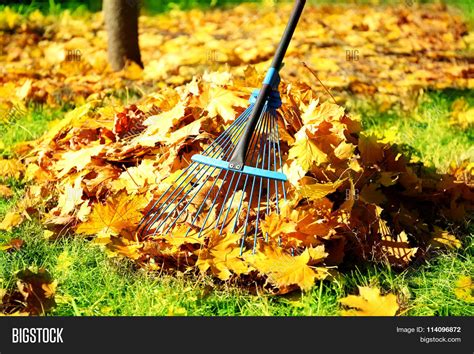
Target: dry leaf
<point>284,270</point>
<point>11,220</point>
<point>370,303</point>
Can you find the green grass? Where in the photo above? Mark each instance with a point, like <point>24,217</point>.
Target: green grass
<point>424,132</point>
<point>26,125</point>
<point>91,283</point>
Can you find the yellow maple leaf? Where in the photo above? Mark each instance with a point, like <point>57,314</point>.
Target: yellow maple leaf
<point>219,101</point>
<point>71,197</point>
<point>11,220</point>
<point>132,71</point>
<point>222,256</point>
<point>178,236</point>
<point>370,303</point>
<point>11,168</point>
<point>274,225</point>
<point>71,118</point>
<point>284,270</point>
<point>76,159</point>
<point>317,254</point>
<point>344,151</point>
<point>462,114</point>
<point>135,178</point>
<point>294,172</point>
<point>11,17</point>
<point>161,124</point>
<point>123,247</point>
<point>305,152</point>
<point>317,191</point>
<point>316,113</point>
<point>119,213</point>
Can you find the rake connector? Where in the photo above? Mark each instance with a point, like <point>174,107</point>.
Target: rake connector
<point>237,180</point>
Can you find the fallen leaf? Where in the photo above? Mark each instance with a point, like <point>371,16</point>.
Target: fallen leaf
<point>317,191</point>
<point>119,213</point>
<point>11,220</point>
<point>464,289</point>
<point>5,191</point>
<point>442,238</point>
<point>284,270</point>
<point>370,303</point>
<point>11,168</point>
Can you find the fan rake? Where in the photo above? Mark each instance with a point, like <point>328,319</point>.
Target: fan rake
<point>238,180</point>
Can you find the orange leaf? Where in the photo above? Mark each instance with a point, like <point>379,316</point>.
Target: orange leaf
<point>119,213</point>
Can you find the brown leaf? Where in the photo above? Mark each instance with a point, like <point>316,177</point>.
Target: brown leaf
<point>35,294</point>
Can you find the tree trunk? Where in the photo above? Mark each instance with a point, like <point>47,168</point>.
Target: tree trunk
<point>121,23</point>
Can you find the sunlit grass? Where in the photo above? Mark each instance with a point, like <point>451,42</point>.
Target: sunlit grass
<point>92,284</point>
<point>425,132</point>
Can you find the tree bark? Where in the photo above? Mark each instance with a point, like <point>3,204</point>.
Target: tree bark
<point>121,23</point>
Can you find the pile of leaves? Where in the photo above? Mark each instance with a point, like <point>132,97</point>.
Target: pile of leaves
<point>350,197</point>
<point>388,53</point>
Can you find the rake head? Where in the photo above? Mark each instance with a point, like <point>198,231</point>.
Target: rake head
<point>213,194</point>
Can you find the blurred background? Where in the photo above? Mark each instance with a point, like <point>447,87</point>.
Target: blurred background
<point>155,6</point>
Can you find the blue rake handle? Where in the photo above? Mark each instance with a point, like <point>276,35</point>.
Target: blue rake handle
<point>237,159</point>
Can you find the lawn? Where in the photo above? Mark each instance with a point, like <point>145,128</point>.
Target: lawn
<point>90,282</point>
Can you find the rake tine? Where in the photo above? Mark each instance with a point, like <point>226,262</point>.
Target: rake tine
<point>252,190</point>
<point>235,190</point>
<point>281,164</point>
<point>229,148</point>
<point>247,176</point>
<point>195,194</point>
<point>180,188</point>
<point>238,122</point>
<point>266,118</point>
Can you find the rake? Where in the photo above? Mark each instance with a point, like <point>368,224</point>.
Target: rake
<point>237,180</point>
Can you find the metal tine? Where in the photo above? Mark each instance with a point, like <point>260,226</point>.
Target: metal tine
<point>269,162</point>
<point>272,117</point>
<point>275,123</point>
<point>229,148</point>
<point>239,121</point>
<point>281,164</point>
<point>242,242</point>
<point>255,139</point>
<point>267,118</point>
<point>224,201</point>
<point>277,139</point>
<point>213,202</point>
<point>237,125</point>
